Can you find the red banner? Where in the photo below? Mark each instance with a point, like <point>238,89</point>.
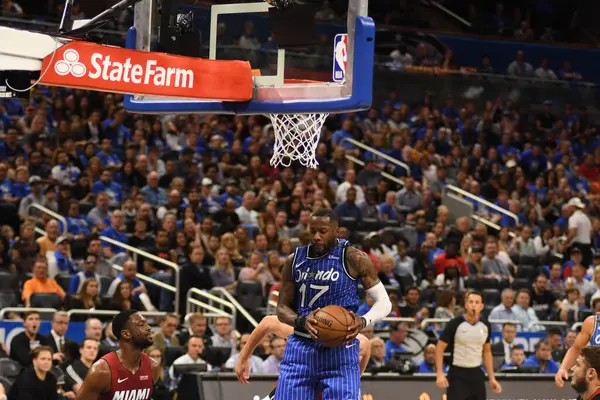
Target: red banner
<point>91,66</point>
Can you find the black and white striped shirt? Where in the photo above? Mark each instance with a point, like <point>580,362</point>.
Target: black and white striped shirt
<point>466,340</point>
<point>75,373</point>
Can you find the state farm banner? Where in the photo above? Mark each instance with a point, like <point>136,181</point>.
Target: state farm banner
<point>223,386</point>
<point>91,66</point>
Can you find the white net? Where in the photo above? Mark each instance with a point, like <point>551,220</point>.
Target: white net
<point>296,138</point>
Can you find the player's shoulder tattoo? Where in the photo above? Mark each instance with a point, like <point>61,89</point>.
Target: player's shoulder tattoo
<point>360,265</point>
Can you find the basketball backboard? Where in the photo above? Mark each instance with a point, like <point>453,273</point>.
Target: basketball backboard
<point>348,88</point>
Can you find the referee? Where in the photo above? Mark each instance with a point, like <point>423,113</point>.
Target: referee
<point>468,339</point>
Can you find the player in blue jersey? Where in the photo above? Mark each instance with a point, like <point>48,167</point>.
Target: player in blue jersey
<point>326,272</point>
<point>588,336</point>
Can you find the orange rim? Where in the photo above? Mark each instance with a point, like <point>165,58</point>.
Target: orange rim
<point>299,81</point>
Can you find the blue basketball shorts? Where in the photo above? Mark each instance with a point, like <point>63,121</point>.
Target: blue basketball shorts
<point>308,368</point>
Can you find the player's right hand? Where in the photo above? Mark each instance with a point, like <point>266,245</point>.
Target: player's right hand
<point>311,325</point>
<point>242,370</point>
<point>441,382</point>
<point>560,377</point>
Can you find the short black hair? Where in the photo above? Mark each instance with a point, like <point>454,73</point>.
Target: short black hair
<point>476,293</point>
<point>540,343</point>
<point>326,213</point>
<point>509,324</point>
<point>552,330</point>
<point>120,320</point>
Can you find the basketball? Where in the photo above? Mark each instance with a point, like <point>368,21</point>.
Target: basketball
<point>333,323</point>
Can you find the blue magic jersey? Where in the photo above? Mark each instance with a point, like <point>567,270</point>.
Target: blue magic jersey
<point>324,281</point>
<point>595,338</point>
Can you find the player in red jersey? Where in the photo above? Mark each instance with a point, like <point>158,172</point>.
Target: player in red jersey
<point>127,373</point>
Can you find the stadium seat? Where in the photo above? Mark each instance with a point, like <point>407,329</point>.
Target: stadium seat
<point>390,224</point>
<point>85,208</point>
<point>217,356</point>
<point>391,289</point>
<point>526,271</point>
<point>105,282</point>
<point>515,258</point>
<point>489,284</point>
<point>521,283</point>
<point>64,280</point>
<point>406,281</point>
<point>528,260</point>
<point>9,368</point>
<point>250,294</point>
<point>428,295</point>
<point>172,353</point>
<point>45,300</point>
<point>7,299</point>
<point>369,224</point>
<point>491,296</point>
<point>472,283</point>
<point>7,281</point>
<point>240,263</point>
<point>349,222</point>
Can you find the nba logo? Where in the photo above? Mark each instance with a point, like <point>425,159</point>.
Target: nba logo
<point>340,57</point>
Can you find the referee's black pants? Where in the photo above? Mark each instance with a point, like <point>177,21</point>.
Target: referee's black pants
<point>466,384</point>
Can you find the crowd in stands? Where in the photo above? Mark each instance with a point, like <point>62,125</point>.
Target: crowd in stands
<point>199,192</point>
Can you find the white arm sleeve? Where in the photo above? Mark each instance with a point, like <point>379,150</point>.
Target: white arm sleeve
<point>382,306</point>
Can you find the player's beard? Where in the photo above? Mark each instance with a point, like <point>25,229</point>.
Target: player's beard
<point>580,386</point>
<point>144,343</point>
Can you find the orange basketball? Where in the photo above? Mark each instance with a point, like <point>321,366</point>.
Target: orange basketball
<point>333,323</point>
<point>595,187</point>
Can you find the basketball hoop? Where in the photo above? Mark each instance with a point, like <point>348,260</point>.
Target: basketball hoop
<point>296,138</point>
<point>297,135</point>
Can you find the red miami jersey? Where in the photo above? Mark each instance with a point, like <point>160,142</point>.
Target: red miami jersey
<point>127,386</point>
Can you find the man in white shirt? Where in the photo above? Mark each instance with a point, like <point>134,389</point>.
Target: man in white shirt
<point>223,338</point>
<point>520,67</point>
<point>255,361</point>
<point>195,348</point>
<point>503,311</point>
<point>544,71</point>
<point>246,211</point>
<point>526,314</point>
<point>272,364</point>
<point>578,281</point>
<point>580,230</point>
<point>349,182</point>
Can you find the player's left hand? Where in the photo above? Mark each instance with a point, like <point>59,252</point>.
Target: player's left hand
<point>495,385</point>
<point>242,370</point>
<point>355,328</point>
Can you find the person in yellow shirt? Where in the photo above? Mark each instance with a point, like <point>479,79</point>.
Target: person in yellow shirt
<point>40,283</point>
